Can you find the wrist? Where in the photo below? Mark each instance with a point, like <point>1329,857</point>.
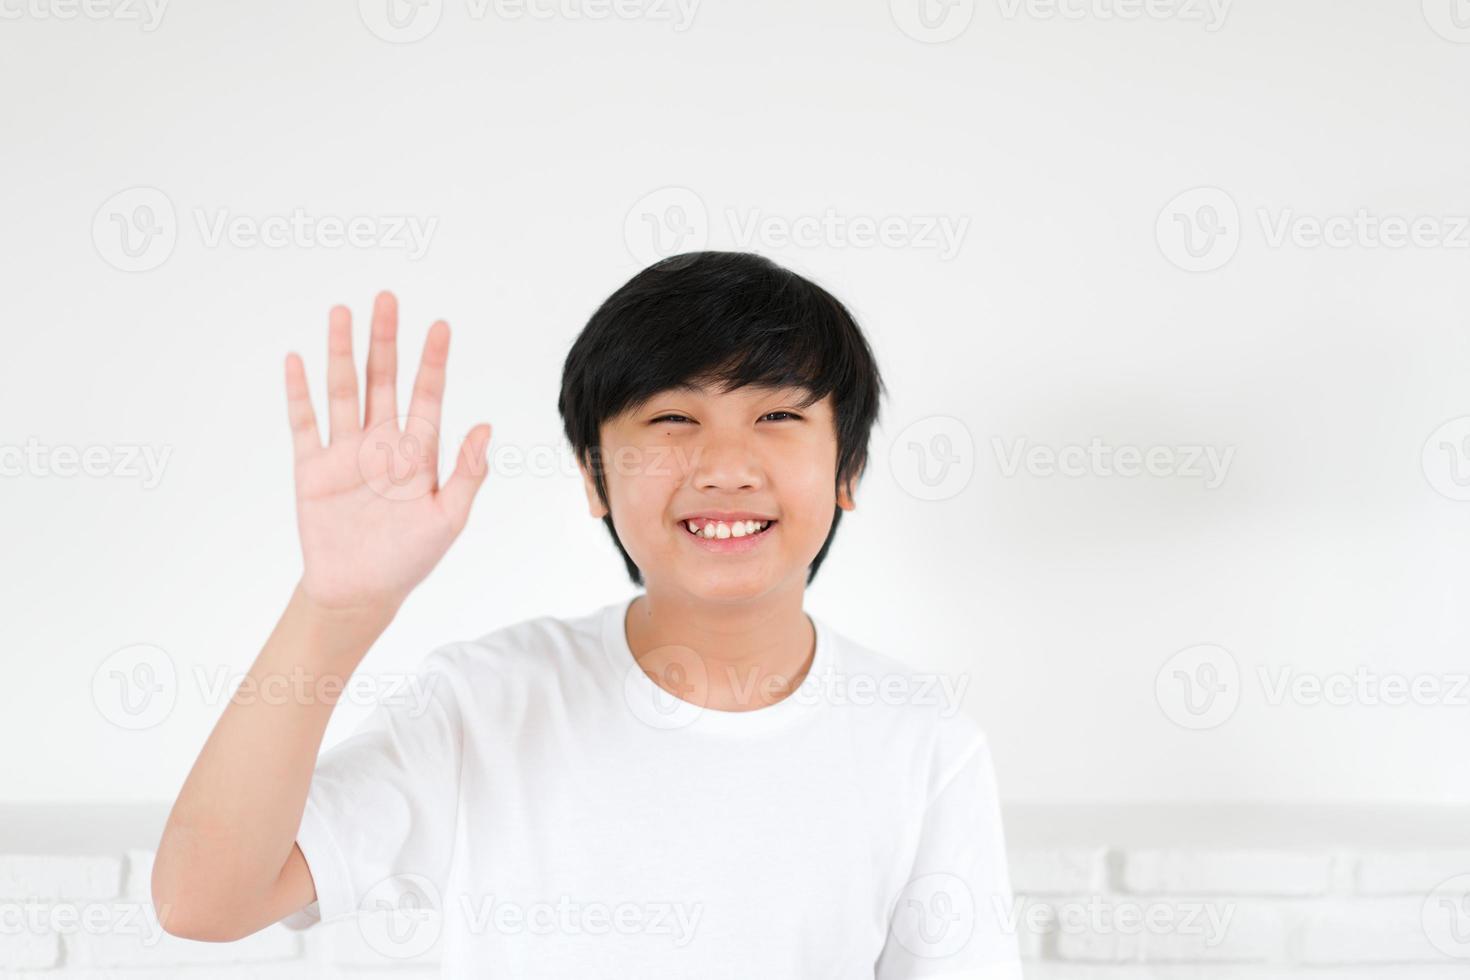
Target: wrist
<point>345,623</point>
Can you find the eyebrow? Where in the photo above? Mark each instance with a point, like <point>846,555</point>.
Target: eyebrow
<point>698,389</point>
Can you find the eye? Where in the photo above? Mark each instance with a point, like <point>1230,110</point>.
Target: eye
<point>670,417</point>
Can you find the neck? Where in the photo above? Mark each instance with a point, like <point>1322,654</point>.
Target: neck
<point>725,656</point>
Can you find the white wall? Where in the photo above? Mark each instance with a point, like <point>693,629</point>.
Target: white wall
<point>1063,315</point>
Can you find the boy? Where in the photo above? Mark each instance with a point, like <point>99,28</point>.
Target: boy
<point>685,784</point>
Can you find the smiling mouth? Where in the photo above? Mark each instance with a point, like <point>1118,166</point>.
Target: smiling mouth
<point>718,530</point>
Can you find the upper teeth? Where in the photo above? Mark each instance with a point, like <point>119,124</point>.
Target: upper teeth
<point>719,529</point>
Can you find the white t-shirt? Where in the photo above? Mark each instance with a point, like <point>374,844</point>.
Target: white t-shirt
<point>561,815</point>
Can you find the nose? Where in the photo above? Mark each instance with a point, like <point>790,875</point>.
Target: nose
<point>725,462</point>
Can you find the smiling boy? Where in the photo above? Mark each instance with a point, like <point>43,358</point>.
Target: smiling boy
<point>680,784</point>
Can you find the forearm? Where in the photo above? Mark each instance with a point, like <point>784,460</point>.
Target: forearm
<point>233,825</point>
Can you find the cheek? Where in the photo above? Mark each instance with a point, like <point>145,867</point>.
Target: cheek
<point>643,499</point>
<point>642,485</point>
<point>808,490</point>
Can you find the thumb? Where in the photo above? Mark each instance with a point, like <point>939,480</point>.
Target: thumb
<point>469,472</point>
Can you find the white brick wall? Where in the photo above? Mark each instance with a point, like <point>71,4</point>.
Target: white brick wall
<point>1245,914</point>
<point>1082,914</point>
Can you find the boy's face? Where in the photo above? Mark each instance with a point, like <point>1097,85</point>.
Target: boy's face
<point>698,452</point>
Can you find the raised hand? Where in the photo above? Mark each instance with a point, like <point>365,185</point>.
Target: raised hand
<point>372,516</point>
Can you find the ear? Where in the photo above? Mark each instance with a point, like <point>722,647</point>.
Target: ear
<point>845,493</point>
<point>595,506</point>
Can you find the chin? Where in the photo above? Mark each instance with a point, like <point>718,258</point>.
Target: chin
<point>728,586</point>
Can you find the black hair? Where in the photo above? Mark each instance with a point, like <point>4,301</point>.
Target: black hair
<point>726,318</point>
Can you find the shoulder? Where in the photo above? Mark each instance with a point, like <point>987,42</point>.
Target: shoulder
<point>519,657</point>
<point>922,695</point>
<point>918,708</point>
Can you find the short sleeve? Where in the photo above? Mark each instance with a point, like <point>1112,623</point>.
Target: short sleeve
<point>381,812</point>
<point>953,919</point>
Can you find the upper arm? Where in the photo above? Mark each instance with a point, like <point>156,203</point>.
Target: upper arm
<point>955,915</point>
<point>382,808</point>
<point>294,890</point>
<point>244,915</point>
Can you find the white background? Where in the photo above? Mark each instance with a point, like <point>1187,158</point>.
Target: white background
<point>534,144</point>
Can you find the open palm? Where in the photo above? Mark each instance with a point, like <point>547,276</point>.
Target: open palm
<point>373,519</point>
